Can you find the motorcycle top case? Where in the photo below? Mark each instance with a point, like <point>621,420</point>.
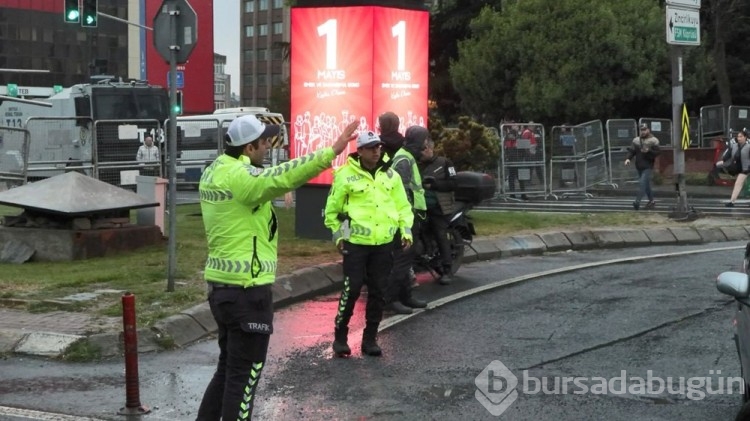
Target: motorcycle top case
<point>474,187</point>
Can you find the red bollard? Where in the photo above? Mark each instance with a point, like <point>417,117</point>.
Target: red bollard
<point>132,394</point>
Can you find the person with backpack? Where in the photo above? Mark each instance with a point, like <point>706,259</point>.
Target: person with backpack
<point>645,149</point>
<point>736,161</point>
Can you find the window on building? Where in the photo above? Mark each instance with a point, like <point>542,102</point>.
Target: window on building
<point>262,4</point>
<point>249,31</point>
<point>262,80</point>
<point>219,88</point>
<point>262,54</point>
<point>278,4</point>
<point>219,68</point>
<point>278,28</point>
<point>249,55</point>
<point>249,6</point>
<point>277,54</point>
<point>248,80</point>
<point>262,30</point>
<point>276,80</point>
<point>218,105</point>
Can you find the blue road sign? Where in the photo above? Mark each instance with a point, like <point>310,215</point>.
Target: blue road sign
<point>180,79</point>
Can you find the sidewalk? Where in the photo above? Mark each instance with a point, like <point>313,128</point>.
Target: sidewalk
<point>49,334</point>
<point>666,191</point>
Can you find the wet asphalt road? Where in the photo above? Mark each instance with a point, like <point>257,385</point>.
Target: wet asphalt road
<point>662,315</point>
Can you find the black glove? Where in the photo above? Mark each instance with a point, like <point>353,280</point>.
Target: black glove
<point>427,182</point>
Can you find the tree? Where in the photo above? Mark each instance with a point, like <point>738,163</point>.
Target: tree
<point>576,61</point>
<point>471,146</point>
<point>449,23</point>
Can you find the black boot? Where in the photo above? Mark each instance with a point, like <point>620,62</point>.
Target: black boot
<point>340,347</point>
<point>369,341</point>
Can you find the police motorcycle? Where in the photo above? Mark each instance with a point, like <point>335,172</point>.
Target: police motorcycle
<point>472,188</point>
<point>737,285</point>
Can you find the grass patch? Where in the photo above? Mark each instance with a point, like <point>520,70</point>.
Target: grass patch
<point>82,351</point>
<point>507,223</point>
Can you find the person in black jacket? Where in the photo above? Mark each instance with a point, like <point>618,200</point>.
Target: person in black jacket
<point>439,181</point>
<point>645,149</point>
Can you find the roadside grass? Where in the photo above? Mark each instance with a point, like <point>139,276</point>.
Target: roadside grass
<point>40,286</point>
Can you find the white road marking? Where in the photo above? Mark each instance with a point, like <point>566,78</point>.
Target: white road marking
<point>41,416</point>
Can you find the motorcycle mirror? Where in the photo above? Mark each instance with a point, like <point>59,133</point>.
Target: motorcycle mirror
<point>733,283</point>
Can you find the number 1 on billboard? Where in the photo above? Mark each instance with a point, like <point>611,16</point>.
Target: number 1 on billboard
<point>328,30</point>
<point>399,31</point>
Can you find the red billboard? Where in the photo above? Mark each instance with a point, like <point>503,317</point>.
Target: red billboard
<point>400,64</point>
<point>353,64</point>
<point>198,72</point>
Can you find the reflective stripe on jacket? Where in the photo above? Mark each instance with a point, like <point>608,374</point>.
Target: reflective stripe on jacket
<point>241,226</point>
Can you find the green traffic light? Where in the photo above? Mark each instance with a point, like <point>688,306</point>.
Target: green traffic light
<point>73,15</point>
<point>89,20</point>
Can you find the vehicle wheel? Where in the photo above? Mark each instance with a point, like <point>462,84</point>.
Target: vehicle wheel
<point>457,250</point>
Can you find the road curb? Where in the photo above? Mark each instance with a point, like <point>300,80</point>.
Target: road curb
<point>196,323</point>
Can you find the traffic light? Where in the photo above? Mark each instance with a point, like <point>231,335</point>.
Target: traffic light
<point>89,16</point>
<point>12,90</point>
<point>72,13</point>
<point>178,103</point>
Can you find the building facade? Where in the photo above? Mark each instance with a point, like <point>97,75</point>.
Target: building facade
<point>37,48</point>
<point>222,83</point>
<point>265,32</point>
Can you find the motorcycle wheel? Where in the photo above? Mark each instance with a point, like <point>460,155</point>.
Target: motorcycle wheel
<point>457,250</point>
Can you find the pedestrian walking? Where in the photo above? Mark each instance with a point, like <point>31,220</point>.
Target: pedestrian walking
<point>737,164</point>
<point>645,149</point>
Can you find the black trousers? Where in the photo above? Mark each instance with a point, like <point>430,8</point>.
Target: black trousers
<point>399,283</point>
<point>364,265</point>
<point>245,320</point>
<point>438,227</point>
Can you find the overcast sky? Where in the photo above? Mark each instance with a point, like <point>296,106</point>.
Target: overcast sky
<point>227,37</point>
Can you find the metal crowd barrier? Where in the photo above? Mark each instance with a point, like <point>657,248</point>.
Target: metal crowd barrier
<point>578,159</point>
<point>58,145</point>
<point>522,166</point>
<point>620,135</point>
<point>116,147</point>
<point>199,143</point>
<point>739,118</point>
<point>713,124</point>
<point>14,154</point>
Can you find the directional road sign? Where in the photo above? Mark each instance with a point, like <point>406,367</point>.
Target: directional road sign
<point>690,4</point>
<point>683,26</point>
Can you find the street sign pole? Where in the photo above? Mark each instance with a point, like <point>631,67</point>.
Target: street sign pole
<point>172,144</point>
<point>175,36</point>
<point>681,209</point>
<point>682,28</point>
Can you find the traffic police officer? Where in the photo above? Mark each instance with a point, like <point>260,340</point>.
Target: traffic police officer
<point>399,296</point>
<point>368,212</point>
<point>241,229</point>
